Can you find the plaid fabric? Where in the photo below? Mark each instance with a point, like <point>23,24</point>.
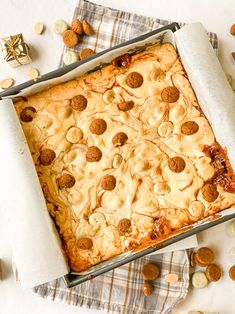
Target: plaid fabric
<point>114,27</point>
<point>121,290</point>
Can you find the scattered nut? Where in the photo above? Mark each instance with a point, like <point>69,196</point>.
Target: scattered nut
<point>150,271</point>
<point>6,83</point>
<point>213,272</point>
<point>204,256</point>
<point>232,30</point>
<point>232,272</point>
<point>87,28</point>
<point>148,287</point>
<point>70,38</point>
<point>33,74</point>
<point>85,53</point>
<point>233,55</point>
<point>76,26</point>
<point>39,28</point>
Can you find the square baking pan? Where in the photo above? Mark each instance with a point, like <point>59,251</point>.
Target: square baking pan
<point>97,61</point>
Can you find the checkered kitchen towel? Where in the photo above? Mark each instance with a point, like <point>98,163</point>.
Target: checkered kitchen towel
<point>121,290</point>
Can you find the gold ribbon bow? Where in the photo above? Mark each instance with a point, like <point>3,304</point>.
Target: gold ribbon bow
<point>15,48</point>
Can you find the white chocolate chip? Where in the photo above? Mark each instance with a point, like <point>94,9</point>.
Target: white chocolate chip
<point>196,209</point>
<point>165,129</point>
<point>74,135</point>
<point>172,278</point>
<point>117,160</point>
<point>6,83</point>
<point>199,280</point>
<point>109,96</point>
<point>70,57</point>
<point>60,27</point>
<point>39,28</point>
<point>161,188</point>
<point>33,73</point>
<point>97,219</point>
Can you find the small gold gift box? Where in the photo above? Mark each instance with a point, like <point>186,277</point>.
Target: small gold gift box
<point>15,50</point>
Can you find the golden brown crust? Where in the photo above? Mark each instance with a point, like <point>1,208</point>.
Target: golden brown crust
<point>155,193</point>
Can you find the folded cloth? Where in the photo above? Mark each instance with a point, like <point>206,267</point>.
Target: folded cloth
<point>121,290</point>
<point>113,27</point>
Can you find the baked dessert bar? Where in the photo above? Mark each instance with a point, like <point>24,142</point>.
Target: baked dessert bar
<point>125,156</point>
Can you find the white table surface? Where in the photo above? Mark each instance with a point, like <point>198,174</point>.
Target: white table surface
<point>20,16</point>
